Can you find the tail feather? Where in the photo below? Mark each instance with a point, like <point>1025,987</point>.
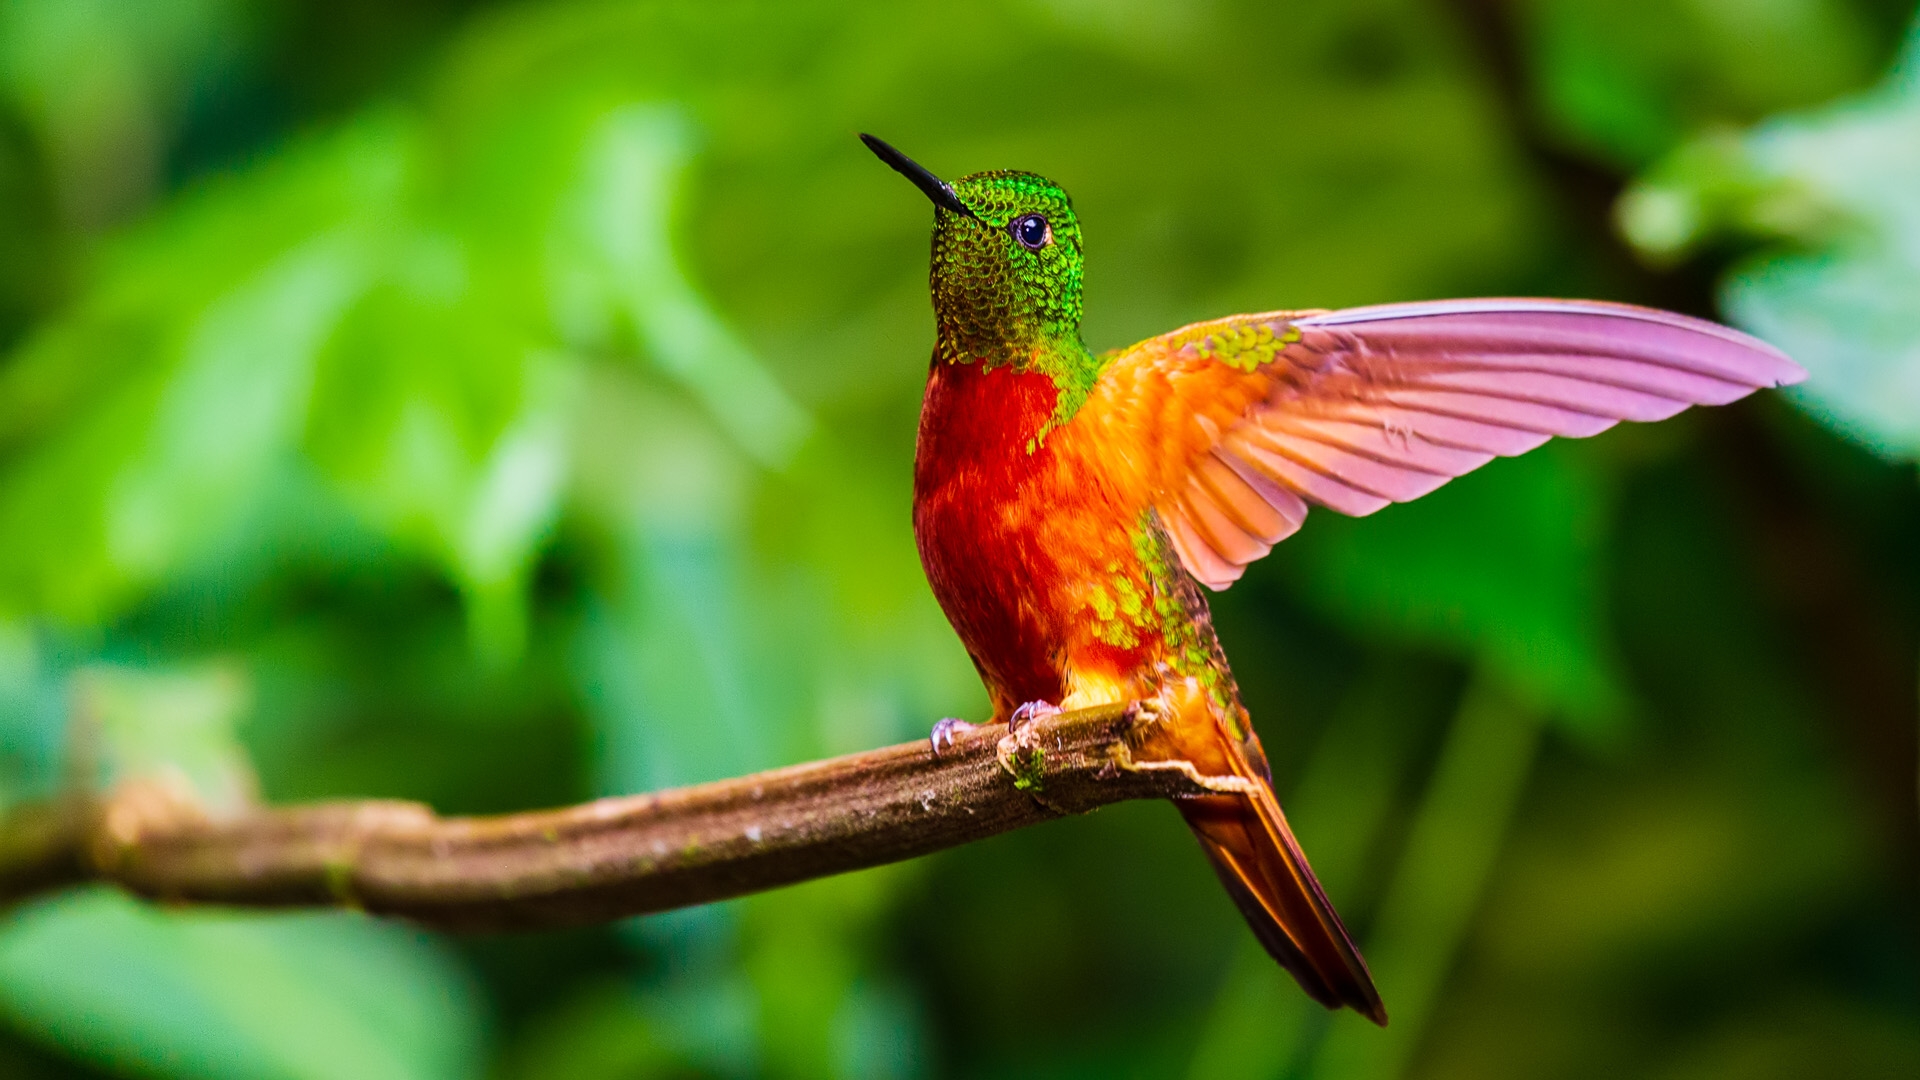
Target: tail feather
<point>1258,860</point>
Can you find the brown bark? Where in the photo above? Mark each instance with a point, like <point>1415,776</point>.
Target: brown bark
<point>601,860</point>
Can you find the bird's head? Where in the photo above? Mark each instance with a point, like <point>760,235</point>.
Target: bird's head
<point>1006,260</point>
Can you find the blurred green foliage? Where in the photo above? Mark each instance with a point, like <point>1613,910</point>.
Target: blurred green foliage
<point>1829,194</point>
<point>503,405</point>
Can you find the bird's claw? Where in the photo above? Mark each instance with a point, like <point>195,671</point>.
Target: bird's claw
<point>1146,711</point>
<point>1029,712</point>
<point>943,732</point>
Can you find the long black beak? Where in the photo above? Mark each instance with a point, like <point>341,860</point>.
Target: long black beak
<point>935,188</point>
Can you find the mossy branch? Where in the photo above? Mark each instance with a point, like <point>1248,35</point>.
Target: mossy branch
<point>598,861</point>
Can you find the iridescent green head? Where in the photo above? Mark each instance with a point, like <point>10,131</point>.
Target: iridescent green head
<point>1006,265</point>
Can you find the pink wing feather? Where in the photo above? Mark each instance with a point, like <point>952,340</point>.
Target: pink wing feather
<point>1383,404</point>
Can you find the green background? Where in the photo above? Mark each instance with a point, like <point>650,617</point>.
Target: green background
<point>501,405</point>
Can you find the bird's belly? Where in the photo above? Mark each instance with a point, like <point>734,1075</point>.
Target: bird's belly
<point>1047,592</point>
<point>998,588</point>
<point>1030,553</point>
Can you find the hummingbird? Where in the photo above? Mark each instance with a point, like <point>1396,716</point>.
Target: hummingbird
<point>1069,506</point>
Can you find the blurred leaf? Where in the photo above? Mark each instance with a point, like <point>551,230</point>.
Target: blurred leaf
<point>669,675</point>
<point>103,82</point>
<point>226,997</point>
<point>369,313</point>
<point>234,403</point>
<point>144,424</point>
<point>612,264</point>
<point>1843,185</point>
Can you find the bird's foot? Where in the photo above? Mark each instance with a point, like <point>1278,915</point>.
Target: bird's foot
<point>1031,711</point>
<point>945,730</point>
<point>1147,711</point>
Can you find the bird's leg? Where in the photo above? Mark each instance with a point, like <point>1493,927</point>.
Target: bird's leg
<point>1145,712</point>
<point>1031,711</point>
<point>944,731</point>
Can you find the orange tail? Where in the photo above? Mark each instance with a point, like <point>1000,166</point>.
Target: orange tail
<point>1253,851</point>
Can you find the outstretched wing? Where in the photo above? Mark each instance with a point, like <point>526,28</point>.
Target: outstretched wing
<point>1235,426</point>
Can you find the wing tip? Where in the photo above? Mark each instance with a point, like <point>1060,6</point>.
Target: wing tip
<point>1794,375</point>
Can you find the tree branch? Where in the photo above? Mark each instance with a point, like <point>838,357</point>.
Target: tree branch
<point>601,860</point>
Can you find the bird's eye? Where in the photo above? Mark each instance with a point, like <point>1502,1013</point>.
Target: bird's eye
<point>1032,231</point>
